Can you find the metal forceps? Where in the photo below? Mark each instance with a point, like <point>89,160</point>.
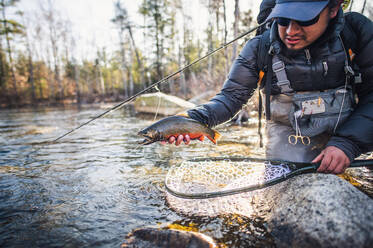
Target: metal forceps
<point>293,139</point>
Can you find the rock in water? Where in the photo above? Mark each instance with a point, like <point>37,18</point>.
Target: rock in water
<point>154,238</point>
<point>311,210</point>
<point>317,210</point>
<point>161,103</point>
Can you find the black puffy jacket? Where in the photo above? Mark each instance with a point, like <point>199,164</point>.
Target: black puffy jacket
<point>355,136</point>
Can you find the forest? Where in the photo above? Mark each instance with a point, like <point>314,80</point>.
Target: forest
<point>39,64</point>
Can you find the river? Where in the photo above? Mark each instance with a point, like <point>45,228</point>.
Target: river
<point>96,185</point>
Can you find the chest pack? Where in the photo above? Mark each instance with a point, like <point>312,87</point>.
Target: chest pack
<point>311,113</point>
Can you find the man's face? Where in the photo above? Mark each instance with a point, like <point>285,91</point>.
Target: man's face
<point>296,37</point>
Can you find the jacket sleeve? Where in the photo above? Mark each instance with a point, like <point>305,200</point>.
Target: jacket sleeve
<point>237,89</point>
<point>355,136</point>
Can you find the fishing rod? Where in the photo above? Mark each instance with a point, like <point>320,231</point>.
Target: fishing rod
<point>154,85</point>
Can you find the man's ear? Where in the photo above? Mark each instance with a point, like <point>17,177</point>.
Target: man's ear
<point>333,12</point>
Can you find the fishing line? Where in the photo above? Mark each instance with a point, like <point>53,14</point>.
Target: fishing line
<point>159,103</point>
<point>163,80</point>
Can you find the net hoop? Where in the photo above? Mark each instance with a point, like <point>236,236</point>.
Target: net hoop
<point>224,176</point>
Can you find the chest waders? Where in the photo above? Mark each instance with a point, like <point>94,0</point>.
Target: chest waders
<point>299,124</point>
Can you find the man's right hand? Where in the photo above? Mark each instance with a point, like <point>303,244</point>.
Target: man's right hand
<point>179,140</point>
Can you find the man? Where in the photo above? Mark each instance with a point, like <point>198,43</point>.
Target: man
<point>311,81</point>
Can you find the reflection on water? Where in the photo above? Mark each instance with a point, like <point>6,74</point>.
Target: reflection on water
<point>94,186</point>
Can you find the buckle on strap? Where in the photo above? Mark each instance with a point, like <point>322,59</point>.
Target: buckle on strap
<point>278,66</point>
<point>349,71</point>
<point>284,86</point>
<point>283,83</point>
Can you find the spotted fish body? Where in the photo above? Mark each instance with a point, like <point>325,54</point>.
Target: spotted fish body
<point>175,126</point>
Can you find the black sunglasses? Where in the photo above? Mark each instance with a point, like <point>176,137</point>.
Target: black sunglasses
<point>286,21</point>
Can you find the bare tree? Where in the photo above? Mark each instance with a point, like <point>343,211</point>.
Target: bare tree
<point>226,55</point>
<point>122,19</point>
<point>54,28</point>
<point>3,71</point>
<point>121,30</point>
<point>364,4</point>
<point>210,41</point>
<point>30,79</point>
<point>352,3</point>
<point>235,27</point>
<point>158,26</point>
<point>77,79</point>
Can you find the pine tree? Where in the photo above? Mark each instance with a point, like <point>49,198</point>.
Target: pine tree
<point>8,28</point>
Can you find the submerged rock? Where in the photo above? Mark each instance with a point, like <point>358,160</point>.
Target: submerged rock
<point>161,103</point>
<point>154,238</point>
<point>317,210</point>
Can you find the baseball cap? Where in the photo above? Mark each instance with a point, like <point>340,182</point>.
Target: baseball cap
<point>299,10</point>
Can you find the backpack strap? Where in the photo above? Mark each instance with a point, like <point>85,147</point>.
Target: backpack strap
<point>349,40</point>
<point>264,45</point>
<point>278,67</point>
<point>262,60</point>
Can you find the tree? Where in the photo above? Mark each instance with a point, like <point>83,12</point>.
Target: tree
<point>121,24</point>
<point>30,63</point>
<point>10,27</point>
<point>3,64</point>
<point>124,23</point>
<point>158,28</point>
<point>235,27</point>
<point>55,28</point>
<point>364,4</point>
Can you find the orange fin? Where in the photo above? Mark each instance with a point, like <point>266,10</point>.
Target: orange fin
<point>201,138</point>
<point>214,139</point>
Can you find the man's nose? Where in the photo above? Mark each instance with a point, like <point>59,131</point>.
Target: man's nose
<point>293,28</point>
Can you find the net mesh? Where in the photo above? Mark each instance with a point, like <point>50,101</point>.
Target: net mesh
<point>198,177</point>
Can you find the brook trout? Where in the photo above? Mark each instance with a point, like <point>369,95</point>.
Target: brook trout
<point>176,125</point>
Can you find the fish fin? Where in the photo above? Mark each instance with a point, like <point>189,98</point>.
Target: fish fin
<point>184,114</point>
<point>201,138</point>
<point>214,139</point>
<point>217,135</point>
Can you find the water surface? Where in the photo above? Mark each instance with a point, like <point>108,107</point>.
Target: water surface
<point>93,187</point>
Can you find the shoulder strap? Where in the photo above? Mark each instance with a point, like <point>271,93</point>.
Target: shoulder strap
<point>349,40</point>
<point>264,45</point>
<point>262,61</point>
<point>348,34</point>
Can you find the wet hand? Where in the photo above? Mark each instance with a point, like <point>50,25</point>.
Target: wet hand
<point>178,140</point>
<point>333,160</point>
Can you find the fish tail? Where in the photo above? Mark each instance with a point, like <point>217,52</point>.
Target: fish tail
<point>216,135</point>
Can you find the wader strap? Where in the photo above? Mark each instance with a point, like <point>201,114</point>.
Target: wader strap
<point>260,110</point>
<point>283,83</point>
<point>268,86</point>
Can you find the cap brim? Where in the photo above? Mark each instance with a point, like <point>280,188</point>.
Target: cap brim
<point>299,11</point>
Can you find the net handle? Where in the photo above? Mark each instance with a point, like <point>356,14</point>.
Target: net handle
<point>356,163</point>
<point>299,165</point>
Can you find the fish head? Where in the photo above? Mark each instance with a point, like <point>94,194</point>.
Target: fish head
<point>150,135</point>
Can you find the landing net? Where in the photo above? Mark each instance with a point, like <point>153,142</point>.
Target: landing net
<point>216,186</point>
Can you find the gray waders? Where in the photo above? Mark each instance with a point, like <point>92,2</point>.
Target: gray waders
<point>278,130</point>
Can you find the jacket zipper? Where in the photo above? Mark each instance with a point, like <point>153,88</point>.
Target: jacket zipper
<point>308,56</point>
<point>325,65</point>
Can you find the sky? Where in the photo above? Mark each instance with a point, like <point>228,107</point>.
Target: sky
<point>91,20</point>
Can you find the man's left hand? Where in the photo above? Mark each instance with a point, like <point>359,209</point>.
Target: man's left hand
<point>333,160</point>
